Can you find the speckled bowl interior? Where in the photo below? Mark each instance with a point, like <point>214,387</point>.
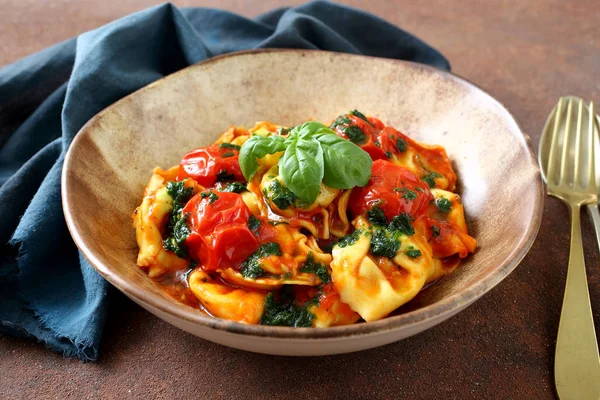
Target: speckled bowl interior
<point>111,160</point>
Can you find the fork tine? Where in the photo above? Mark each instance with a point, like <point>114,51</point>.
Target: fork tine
<point>591,184</point>
<point>565,143</point>
<point>578,147</point>
<point>553,153</point>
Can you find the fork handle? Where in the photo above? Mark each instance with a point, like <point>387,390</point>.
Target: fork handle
<point>595,217</point>
<point>576,364</point>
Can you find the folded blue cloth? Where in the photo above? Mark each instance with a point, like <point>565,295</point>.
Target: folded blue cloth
<point>48,291</point>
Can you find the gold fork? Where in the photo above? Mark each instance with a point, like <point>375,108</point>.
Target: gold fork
<point>567,159</point>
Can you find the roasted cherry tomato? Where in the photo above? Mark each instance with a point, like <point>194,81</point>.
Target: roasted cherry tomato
<point>362,133</point>
<point>220,236</point>
<point>206,165</point>
<point>392,188</point>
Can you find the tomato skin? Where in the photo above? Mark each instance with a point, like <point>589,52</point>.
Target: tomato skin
<point>203,165</point>
<point>220,236</point>
<point>385,177</point>
<point>371,135</point>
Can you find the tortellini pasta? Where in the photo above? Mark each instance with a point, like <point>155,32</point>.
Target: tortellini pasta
<point>252,252</point>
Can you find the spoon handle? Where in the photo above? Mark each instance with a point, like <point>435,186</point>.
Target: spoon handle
<point>595,217</point>
<point>577,364</point>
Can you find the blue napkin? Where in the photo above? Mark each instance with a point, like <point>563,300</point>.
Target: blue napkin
<point>48,291</point>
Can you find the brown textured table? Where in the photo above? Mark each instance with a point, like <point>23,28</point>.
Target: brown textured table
<point>526,54</point>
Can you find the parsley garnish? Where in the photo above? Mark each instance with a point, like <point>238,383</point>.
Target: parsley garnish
<point>233,187</point>
<point>443,204</point>
<point>211,196</point>
<point>412,252</point>
<point>435,231</point>
<point>355,134</point>
<point>229,146</point>
<point>251,268</point>
<point>254,224</point>
<point>224,176</point>
<point>318,269</point>
<point>350,239</point>
<point>401,145</point>
<point>376,216</point>
<point>386,239</point>
<point>342,119</point>
<point>284,311</point>
<point>281,196</point>
<point>360,115</point>
<point>429,178</point>
<point>228,154</point>
<point>406,193</point>
<point>177,229</point>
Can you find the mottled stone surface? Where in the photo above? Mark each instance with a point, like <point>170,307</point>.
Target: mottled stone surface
<point>526,54</point>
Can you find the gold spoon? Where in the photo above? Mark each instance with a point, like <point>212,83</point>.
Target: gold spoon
<point>567,159</point>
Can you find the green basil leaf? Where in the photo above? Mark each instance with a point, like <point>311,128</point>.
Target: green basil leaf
<point>256,148</point>
<point>345,164</point>
<point>301,168</point>
<point>309,129</point>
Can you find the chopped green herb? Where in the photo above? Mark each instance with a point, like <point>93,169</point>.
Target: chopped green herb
<point>228,154</point>
<point>342,119</point>
<point>377,143</point>
<point>388,154</point>
<point>429,178</point>
<point>254,224</point>
<point>407,193</point>
<point>176,241</point>
<point>251,268</point>
<point>179,193</point>
<point>233,187</point>
<point>443,204</point>
<point>177,229</point>
<point>355,134</point>
<point>229,146</point>
<point>386,239</point>
<point>376,216</point>
<point>284,311</point>
<point>418,189</point>
<point>360,115</point>
<point>350,239</point>
<point>401,145</point>
<point>287,276</point>
<point>412,252</point>
<point>403,224</point>
<point>224,176</point>
<point>212,197</point>
<point>435,231</point>
<point>385,242</point>
<point>318,269</point>
<point>281,196</point>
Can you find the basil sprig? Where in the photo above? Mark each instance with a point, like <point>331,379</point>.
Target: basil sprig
<point>313,153</point>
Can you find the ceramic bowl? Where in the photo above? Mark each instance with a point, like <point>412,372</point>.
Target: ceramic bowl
<point>111,160</point>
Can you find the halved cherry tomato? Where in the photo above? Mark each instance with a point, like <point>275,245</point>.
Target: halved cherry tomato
<point>392,188</point>
<point>207,164</point>
<point>220,236</point>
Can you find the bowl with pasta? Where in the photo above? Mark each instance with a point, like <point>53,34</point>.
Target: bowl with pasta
<point>302,202</point>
